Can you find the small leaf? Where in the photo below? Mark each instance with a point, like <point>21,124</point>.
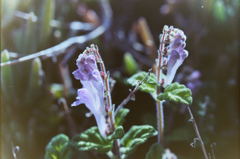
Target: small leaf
<point>137,135</point>
<point>120,116</point>
<point>130,64</point>
<point>117,134</point>
<point>149,85</point>
<point>91,139</point>
<point>178,93</point>
<point>155,152</point>
<point>57,90</point>
<point>58,148</point>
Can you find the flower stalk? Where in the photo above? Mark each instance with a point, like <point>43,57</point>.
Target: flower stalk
<point>171,55</point>
<point>96,92</point>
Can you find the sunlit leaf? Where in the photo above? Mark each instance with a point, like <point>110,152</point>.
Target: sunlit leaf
<point>176,92</point>
<point>148,85</point>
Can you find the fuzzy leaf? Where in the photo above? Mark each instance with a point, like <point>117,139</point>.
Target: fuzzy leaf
<point>149,85</point>
<point>58,148</point>
<point>120,116</point>
<point>91,139</point>
<point>117,134</point>
<point>176,92</point>
<point>155,152</point>
<point>138,134</point>
<point>130,64</point>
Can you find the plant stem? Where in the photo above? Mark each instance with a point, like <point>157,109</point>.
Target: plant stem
<point>160,121</point>
<point>192,119</point>
<point>159,105</point>
<point>108,101</point>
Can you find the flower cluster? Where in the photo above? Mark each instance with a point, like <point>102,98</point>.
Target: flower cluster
<point>172,53</point>
<point>92,93</point>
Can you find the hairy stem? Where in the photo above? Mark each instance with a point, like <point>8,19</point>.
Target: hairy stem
<point>160,121</point>
<point>192,119</point>
<point>108,101</point>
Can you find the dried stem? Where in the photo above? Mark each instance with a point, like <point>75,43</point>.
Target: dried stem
<point>61,47</point>
<point>132,93</point>
<point>69,118</point>
<point>192,119</point>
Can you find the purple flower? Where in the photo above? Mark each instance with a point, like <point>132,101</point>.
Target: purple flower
<point>175,54</point>
<point>92,93</point>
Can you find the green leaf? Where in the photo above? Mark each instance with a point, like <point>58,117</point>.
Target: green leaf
<point>91,139</point>
<point>176,92</point>
<point>155,152</point>
<point>120,116</point>
<point>117,134</point>
<point>138,134</point>
<point>149,85</point>
<point>58,148</point>
<point>57,90</point>
<point>130,65</point>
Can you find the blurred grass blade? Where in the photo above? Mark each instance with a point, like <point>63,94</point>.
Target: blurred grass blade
<point>36,77</point>
<point>6,76</point>
<point>48,10</point>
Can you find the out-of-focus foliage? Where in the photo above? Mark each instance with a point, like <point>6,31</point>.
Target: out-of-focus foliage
<point>130,64</point>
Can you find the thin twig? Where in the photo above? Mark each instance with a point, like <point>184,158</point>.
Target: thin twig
<point>69,118</point>
<point>132,93</point>
<point>61,47</point>
<point>192,119</point>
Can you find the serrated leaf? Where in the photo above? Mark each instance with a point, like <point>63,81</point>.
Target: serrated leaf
<point>91,139</point>
<point>155,152</point>
<point>138,134</point>
<point>58,148</point>
<point>149,85</point>
<point>177,93</point>
<point>120,116</point>
<point>130,65</point>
